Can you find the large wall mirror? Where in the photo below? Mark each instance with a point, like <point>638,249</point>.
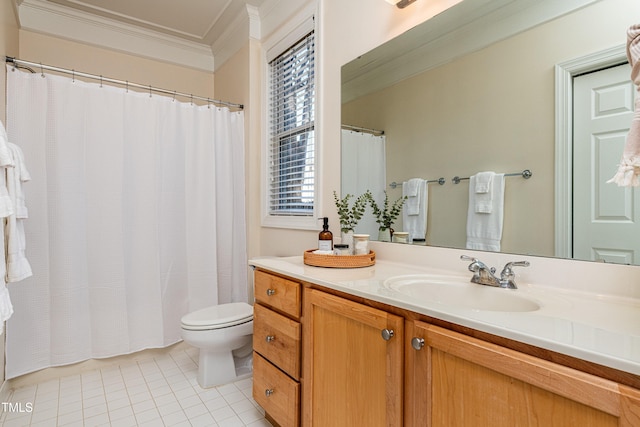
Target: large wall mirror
<point>476,89</point>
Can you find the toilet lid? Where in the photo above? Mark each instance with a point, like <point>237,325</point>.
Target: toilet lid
<point>219,316</point>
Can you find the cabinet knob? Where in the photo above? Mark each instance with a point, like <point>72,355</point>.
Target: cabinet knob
<point>387,334</point>
<point>271,292</point>
<point>270,338</point>
<point>268,392</point>
<point>417,343</point>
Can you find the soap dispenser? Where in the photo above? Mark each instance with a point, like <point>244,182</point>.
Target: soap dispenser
<point>325,238</point>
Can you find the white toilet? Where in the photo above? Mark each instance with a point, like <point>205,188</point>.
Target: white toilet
<point>223,333</point>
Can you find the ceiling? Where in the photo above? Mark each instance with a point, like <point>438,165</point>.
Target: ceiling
<point>192,32</point>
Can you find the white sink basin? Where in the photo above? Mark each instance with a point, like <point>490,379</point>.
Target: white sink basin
<point>459,292</point>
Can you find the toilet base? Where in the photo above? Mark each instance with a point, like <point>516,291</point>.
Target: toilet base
<point>218,368</point>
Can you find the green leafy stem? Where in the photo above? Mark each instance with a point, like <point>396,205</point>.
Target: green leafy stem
<point>351,215</point>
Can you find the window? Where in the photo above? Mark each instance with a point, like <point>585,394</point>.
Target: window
<point>291,147</point>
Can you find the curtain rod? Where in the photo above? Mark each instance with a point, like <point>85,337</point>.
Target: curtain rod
<point>361,129</point>
<point>26,64</point>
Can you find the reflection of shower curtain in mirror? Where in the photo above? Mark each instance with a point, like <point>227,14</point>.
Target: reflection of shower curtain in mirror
<point>363,168</point>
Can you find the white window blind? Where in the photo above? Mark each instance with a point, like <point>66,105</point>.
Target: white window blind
<point>292,137</point>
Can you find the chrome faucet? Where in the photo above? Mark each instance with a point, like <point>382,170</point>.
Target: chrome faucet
<point>483,275</point>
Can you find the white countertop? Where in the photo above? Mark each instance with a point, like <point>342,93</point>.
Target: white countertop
<point>603,329</point>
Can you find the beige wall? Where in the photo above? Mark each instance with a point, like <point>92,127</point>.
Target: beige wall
<point>8,44</point>
<point>240,80</point>
<point>491,110</point>
<point>54,51</point>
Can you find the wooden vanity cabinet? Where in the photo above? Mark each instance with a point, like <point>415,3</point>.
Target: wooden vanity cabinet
<point>277,348</point>
<point>353,363</point>
<point>456,380</point>
<point>364,365</point>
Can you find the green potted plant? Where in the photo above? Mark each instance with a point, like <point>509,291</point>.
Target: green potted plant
<point>350,215</point>
<point>386,216</point>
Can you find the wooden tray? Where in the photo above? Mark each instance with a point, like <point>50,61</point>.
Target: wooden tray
<point>339,261</point>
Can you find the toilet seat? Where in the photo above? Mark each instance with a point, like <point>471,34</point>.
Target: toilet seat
<point>218,316</point>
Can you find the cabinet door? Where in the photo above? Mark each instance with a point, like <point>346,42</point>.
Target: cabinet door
<point>455,380</point>
<point>353,363</point>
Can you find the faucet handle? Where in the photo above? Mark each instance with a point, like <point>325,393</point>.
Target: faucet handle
<point>477,265</point>
<point>507,275</point>
<point>508,267</point>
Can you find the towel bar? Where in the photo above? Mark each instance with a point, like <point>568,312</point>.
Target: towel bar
<point>526,174</point>
<point>440,181</point>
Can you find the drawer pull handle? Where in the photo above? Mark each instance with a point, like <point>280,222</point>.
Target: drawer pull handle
<point>271,292</point>
<point>268,392</point>
<point>417,343</point>
<point>270,338</point>
<point>387,334</point>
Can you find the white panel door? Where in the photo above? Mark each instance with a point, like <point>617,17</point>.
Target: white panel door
<point>606,218</point>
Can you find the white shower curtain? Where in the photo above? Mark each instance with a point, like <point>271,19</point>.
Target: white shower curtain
<point>136,217</point>
<point>364,168</point>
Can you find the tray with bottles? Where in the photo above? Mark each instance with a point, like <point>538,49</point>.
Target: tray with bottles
<point>339,261</point>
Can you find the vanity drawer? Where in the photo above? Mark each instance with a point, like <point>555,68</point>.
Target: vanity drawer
<point>275,392</point>
<point>277,292</point>
<point>277,338</point>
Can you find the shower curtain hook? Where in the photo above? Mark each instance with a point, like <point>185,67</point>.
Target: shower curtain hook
<point>191,99</point>
<point>209,103</point>
<point>174,96</point>
<point>100,80</point>
<point>149,91</point>
<point>73,76</point>
<point>127,86</point>
<point>41,71</point>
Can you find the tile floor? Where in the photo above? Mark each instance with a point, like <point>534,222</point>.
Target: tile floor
<point>154,391</point>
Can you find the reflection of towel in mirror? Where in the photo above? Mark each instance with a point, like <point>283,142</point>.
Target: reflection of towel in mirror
<point>483,188</point>
<point>414,218</point>
<point>412,189</point>
<point>629,169</point>
<point>484,230</point>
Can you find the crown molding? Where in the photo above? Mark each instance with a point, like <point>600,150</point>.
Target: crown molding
<point>276,15</point>
<point>244,26</point>
<point>59,21</point>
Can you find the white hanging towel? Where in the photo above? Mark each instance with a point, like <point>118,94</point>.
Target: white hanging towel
<point>410,190</point>
<point>6,160</point>
<point>484,229</point>
<point>628,174</point>
<point>6,209</point>
<point>18,266</point>
<point>6,308</point>
<point>484,192</point>
<point>414,213</point>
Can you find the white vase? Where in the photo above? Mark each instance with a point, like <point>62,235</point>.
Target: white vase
<point>347,239</point>
<point>384,235</point>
